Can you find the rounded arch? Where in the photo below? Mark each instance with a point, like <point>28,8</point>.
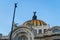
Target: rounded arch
<point>22,31</point>
<point>56,30</point>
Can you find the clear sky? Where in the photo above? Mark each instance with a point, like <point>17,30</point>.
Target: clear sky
<point>47,10</point>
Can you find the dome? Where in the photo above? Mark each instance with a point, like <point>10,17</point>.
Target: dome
<point>34,21</point>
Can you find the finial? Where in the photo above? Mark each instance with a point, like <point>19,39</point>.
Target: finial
<point>34,16</point>
<point>15,4</point>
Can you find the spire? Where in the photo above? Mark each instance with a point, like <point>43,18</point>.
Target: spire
<point>34,16</point>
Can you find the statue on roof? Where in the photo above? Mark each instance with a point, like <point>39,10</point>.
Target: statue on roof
<point>34,16</point>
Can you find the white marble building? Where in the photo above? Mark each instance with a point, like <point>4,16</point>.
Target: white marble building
<point>34,29</point>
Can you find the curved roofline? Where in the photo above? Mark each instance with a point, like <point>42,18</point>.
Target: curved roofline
<point>38,22</point>
<point>31,20</point>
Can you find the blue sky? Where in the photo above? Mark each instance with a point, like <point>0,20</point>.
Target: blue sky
<point>47,10</point>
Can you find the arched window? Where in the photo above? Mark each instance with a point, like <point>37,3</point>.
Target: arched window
<point>56,30</point>
<point>22,38</point>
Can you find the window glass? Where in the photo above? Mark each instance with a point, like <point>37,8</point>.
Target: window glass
<point>44,30</point>
<point>23,38</point>
<point>35,31</point>
<point>40,31</point>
